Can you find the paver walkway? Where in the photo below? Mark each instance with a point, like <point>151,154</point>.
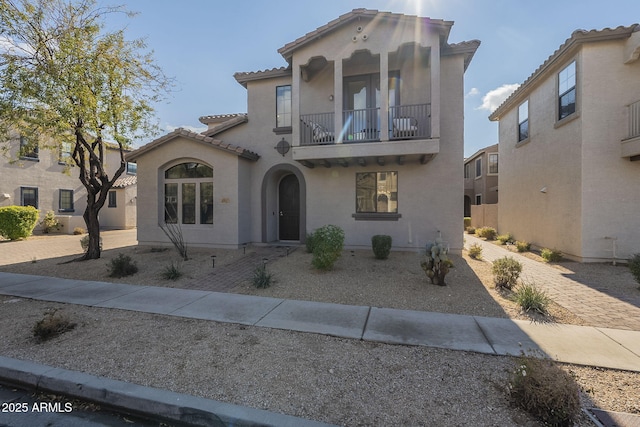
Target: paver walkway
<point>593,306</point>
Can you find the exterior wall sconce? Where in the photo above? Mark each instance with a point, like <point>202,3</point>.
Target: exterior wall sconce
<point>282,147</point>
<point>331,98</point>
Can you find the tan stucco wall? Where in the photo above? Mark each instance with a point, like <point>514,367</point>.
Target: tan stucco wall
<point>123,215</point>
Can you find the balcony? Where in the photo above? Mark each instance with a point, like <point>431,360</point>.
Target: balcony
<point>408,138</point>
<point>631,145</point>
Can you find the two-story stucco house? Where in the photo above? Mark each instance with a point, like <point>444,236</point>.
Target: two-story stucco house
<point>481,187</point>
<point>48,180</point>
<point>363,129</point>
<point>569,144</point>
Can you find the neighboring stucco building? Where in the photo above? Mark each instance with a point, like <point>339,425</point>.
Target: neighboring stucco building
<point>47,180</point>
<point>570,149</point>
<point>481,178</point>
<point>362,129</point>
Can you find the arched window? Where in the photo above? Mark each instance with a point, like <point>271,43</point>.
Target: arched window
<point>188,194</point>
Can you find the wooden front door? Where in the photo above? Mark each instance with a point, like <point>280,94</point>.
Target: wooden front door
<point>289,208</point>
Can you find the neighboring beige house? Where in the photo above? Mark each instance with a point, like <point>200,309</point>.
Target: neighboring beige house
<point>29,176</point>
<point>481,178</point>
<point>570,149</point>
<point>362,129</point>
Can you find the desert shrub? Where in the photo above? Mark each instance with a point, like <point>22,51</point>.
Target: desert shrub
<point>530,298</point>
<point>545,391</point>
<point>634,266</point>
<point>17,222</point>
<point>381,245</point>
<point>84,243</point>
<point>471,230</point>
<point>122,266</point>
<point>172,272</point>
<point>523,246</point>
<point>328,242</point>
<point>475,251</point>
<point>78,231</point>
<point>506,272</point>
<point>505,238</point>
<point>309,242</point>
<point>550,255</point>
<point>50,222</point>
<point>52,324</point>
<point>261,277</point>
<point>488,233</point>
<point>467,222</point>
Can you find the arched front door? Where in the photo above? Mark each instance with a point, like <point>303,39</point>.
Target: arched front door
<point>289,208</point>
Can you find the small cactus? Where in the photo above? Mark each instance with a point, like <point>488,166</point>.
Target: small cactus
<point>436,264</point>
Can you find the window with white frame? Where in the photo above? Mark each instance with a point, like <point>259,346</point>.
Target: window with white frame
<point>493,163</point>
<point>523,121</point>
<point>283,106</point>
<point>567,91</point>
<point>479,167</point>
<point>188,194</point>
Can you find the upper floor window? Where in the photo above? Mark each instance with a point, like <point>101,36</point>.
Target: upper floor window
<point>113,199</point>
<point>132,168</point>
<point>478,167</point>
<point>28,149</point>
<point>467,170</point>
<point>377,192</point>
<point>523,121</point>
<point>29,196</point>
<point>567,91</point>
<point>283,106</point>
<point>493,163</point>
<point>66,151</point>
<point>188,194</point>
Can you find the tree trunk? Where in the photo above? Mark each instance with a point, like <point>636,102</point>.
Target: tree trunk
<point>93,228</point>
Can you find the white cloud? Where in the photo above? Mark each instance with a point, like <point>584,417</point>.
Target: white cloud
<point>473,92</point>
<point>494,98</point>
<point>171,128</point>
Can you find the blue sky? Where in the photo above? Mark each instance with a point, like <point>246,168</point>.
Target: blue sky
<point>202,43</point>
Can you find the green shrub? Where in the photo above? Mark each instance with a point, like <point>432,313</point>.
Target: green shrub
<point>550,255</point>
<point>634,266</point>
<point>505,238</point>
<point>467,222</point>
<point>84,243</point>
<point>122,266</point>
<point>471,230</point>
<point>381,245</point>
<point>530,298</point>
<point>52,325</point>
<point>50,222</point>
<point>475,251</point>
<point>523,246</point>
<point>488,233</point>
<point>506,272</point>
<point>17,222</point>
<point>172,272</point>
<point>328,242</point>
<point>545,391</point>
<point>261,277</point>
<point>309,243</point>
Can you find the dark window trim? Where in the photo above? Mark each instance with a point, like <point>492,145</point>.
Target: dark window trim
<point>113,203</point>
<point>375,216</point>
<point>478,175</point>
<point>574,89</point>
<point>363,215</point>
<point>60,208</point>
<point>33,155</point>
<point>22,196</point>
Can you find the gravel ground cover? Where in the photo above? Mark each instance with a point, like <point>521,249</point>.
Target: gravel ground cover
<point>345,382</point>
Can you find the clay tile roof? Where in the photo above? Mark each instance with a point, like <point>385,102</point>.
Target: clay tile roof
<point>577,38</point>
<point>125,181</point>
<point>220,118</point>
<point>244,77</point>
<point>180,132</point>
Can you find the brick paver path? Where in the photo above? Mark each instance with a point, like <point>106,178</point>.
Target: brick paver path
<point>593,306</point>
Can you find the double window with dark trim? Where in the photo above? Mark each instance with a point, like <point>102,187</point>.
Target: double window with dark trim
<point>377,192</point>
<point>65,201</point>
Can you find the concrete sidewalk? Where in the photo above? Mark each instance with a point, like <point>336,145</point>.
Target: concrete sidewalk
<point>582,345</point>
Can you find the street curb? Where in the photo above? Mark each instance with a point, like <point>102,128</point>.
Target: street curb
<point>140,400</point>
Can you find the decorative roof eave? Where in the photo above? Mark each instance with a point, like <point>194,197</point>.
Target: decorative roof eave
<point>219,118</point>
<point>443,27</point>
<point>244,77</point>
<point>197,137</point>
<point>125,181</point>
<point>577,38</point>
<point>468,49</point>
<point>221,126</point>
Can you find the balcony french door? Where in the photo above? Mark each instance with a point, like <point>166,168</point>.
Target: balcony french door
<point>362,108</point>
